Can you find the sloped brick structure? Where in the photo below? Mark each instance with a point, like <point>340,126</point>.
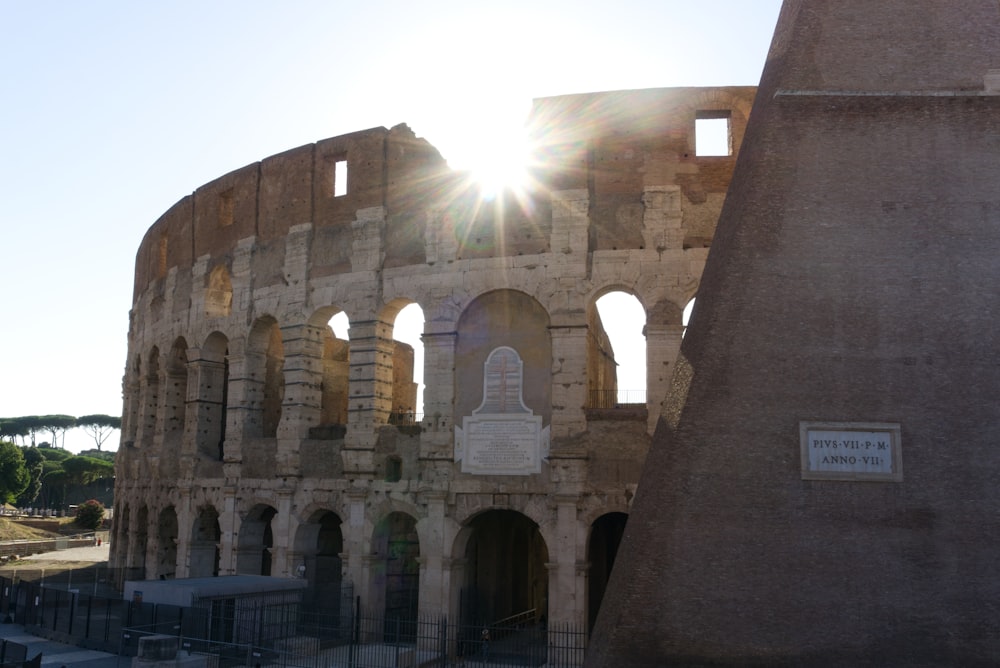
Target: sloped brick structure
<point>848,310</point>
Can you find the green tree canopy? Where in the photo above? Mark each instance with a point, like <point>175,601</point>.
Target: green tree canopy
<point>85,470</point>
<point>12,429</point>
<point>90,514</point>
<point>53,454</point>
<point>98,454</point>
<point>14,476</point>
<point>34,462</point>
<point>58,425</point>
<point>99,427</point>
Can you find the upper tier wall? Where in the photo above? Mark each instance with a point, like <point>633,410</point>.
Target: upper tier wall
<point>611,144</point>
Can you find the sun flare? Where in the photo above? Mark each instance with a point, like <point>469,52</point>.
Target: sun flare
<point>500,164</point>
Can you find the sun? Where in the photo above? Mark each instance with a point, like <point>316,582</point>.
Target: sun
<point>499,162</point>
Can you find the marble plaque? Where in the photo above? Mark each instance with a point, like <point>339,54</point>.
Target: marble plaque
<point>502,436</point>
<point>851,451</point>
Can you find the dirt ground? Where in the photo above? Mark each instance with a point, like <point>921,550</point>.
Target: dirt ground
<point>83,568</point>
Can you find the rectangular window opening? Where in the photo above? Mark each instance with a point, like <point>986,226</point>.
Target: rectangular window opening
<point>340,178</point>
<point>713,134</point>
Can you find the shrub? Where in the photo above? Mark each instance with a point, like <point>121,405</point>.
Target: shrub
<point>90,514</point>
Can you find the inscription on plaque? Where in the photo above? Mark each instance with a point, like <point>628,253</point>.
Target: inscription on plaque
<point>502,436</point>
<point>850,451</point>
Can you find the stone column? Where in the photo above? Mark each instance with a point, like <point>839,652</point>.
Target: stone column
<point>567,582</point>
<point>132,560</point>
<point>205,410</point>
<point>227,526</point>
<point>152,544</point>
<point>279,532</point>
<point>663,343</point>
<point>244,416</point>
<point>569,376</point>
<point>437,438</point>
<point>149,388</point>
<point>567,601</point>
<point>353,530</point>
<point>302,404</point>
<point>185,525</point>
<point>432,599</point>
<point>370,400</point>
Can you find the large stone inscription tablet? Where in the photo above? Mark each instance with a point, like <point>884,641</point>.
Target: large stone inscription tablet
<point>851,451</point>
<point>502,436</point>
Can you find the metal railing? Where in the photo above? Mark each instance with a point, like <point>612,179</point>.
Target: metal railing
<point>616,398</point>
<point>405,418</point>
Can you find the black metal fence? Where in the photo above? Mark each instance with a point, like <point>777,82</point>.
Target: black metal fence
<point>267,632</point>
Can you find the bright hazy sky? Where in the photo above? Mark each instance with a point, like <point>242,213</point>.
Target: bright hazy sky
<point>111,111</point>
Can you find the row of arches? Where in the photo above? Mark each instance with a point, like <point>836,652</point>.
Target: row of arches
<point>501,555</point>
<point>186,394</point>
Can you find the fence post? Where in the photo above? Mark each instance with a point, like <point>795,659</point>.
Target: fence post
<point>72,609</point>
<point>443,635</point>
<point>90,609</point>
<point>355,631</point>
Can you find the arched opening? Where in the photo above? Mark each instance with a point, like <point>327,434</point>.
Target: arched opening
<point>267,354</point>
<point>605,537</point>
<point>320,542</point>
<point>205,536</point>
<point>407,366</point>
<point>396,574</point>
<point>256,540</point>
<point>336,371</point>
<point>211,402</point>
<point>219,295</point>
<point>504,318</point>
<point>166,564</point>
<point>616,359</point>
<point>505,574</point>
<point>687,315</point>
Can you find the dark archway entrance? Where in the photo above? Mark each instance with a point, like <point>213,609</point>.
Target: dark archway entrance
<point>256,541</point>
<point>204,549</point>
<point>505,576</point>
<point>319,543</point>
<point>166,563</point>
<point>605,537</point>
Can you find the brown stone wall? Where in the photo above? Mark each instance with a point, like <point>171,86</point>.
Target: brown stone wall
<point>848,282</point>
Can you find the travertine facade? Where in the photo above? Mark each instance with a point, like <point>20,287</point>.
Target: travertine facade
<point>255,441</point>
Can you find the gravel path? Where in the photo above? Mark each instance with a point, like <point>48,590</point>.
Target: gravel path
<point>93,554</point>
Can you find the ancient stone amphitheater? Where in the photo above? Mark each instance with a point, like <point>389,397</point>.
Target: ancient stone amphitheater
<point>257,442</point>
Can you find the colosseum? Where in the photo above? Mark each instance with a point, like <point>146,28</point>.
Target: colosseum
<point>256,440</point>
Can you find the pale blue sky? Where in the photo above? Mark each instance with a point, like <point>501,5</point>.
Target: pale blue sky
<point>112,111</point>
